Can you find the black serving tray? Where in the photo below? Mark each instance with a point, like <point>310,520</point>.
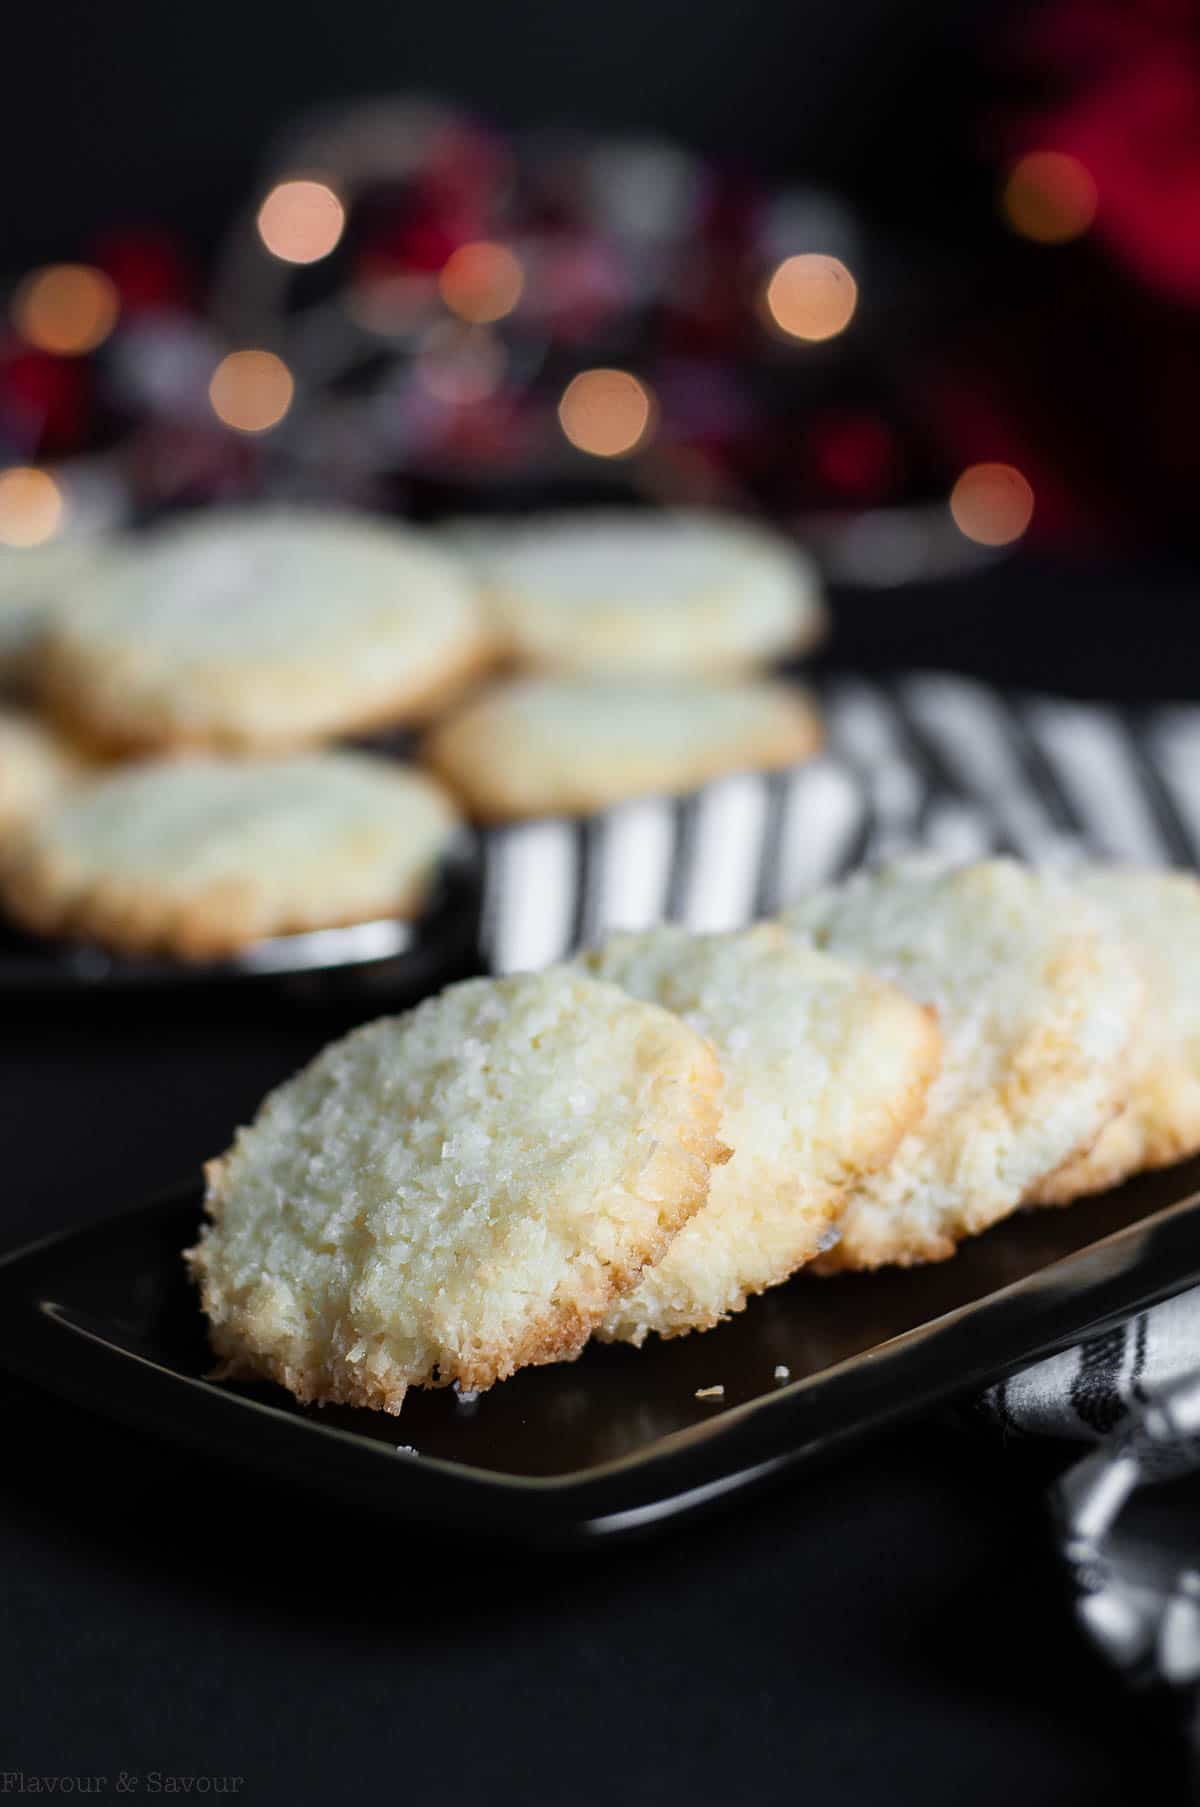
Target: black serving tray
<point>617,1443</point>
<point>387,957</point>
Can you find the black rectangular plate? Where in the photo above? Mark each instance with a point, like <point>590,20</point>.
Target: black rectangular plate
<point>617,1442</point>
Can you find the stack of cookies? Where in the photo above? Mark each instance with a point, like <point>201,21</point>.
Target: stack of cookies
<point>181,791</point>
<point>635,637</point>
<point>177,795</point>
<point>639,1141</point>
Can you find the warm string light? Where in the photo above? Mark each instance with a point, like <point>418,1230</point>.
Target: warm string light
<point>811,297</point>
<point>992,504</point>
<point>301,221</point>
<point>609,413</point>
<point>1049,197</point>
<point>251,391</point>
<point>68,309</point>
<point>31,506</point>
<point>481,282</point>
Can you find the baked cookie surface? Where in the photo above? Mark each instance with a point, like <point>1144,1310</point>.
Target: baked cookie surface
<point>256,628</point>
<point>201,857</point>
<point>449,1195</point>
<point>825,1069</point>
<point>1039,1002</point>
<point>571,745</point>
<point>628,590</point>
<point>32,579</point>
<point>1158,913</point>
<point>35,769</point>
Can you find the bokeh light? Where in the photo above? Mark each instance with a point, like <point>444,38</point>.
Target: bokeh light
<point>811,297</point>
<point>992,504</point>
<point>301,221</point>
<point>608,413</point>
<point>66,308</point>
<point>251,390</point>
<point>481,282</point>
<point>1049,197</point>
<point>31,506</point>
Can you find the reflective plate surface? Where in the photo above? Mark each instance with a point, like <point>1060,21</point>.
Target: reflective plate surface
<point>414,956</point>
<point>618,1442</point>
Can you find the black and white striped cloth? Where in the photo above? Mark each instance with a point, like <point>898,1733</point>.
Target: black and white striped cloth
<point>931,760</point>
<point>928,760</point>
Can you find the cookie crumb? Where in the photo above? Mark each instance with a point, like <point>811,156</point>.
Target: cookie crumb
<point>783,1372</point>
<point>710,1392</point>
<point>406,1449</point>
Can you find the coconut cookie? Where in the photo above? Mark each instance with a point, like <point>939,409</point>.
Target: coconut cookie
<point>201,857</point>
<point>34,770</point>
<point>825,1069</point>
<point>1039,1002</point>
<point>455,1193</point>
<point>1159,915</point>
<point>571,745</point>
<point>259,628</point>
<point>625,590</point>
<point>32,578</point>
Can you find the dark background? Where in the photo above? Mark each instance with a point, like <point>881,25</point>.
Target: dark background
<point>160,112</point>
<point>1081,364</point>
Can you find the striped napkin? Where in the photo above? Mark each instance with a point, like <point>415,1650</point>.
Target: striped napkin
<point>926,761</point>
<point>929,760</point>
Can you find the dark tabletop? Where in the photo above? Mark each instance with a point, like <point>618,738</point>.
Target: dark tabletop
<point>890,1629</point>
